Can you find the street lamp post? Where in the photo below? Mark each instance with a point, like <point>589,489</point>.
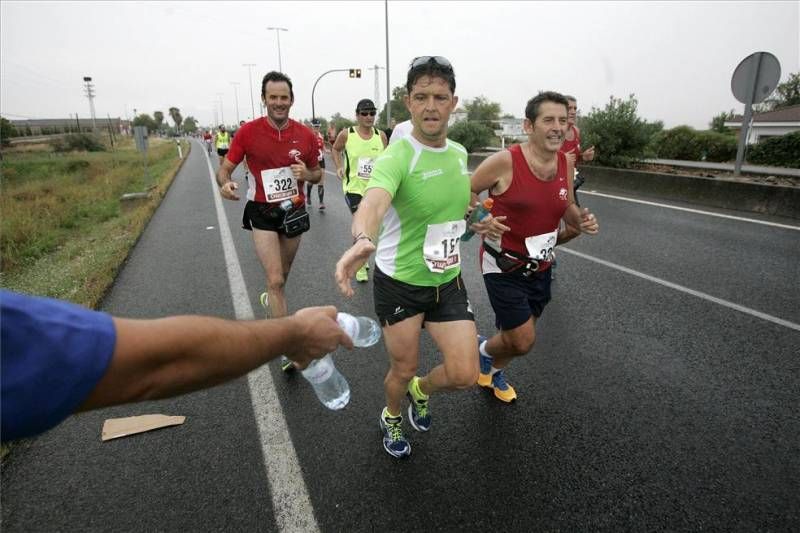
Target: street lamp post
<point>221,108</point>
<point>278,31</point>
<point>313,89</point>
<point>250,77</point>
<point>236,99</point>
<point>388,86</point>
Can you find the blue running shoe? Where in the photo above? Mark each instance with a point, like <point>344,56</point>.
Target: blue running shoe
<point>503,391</point>
<point>418,413</point>
<point>394,442</point>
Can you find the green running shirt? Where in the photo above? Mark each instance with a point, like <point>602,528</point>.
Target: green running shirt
<point>430,189</point>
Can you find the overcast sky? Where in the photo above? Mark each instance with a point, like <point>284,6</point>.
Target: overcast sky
<point>676,57</point>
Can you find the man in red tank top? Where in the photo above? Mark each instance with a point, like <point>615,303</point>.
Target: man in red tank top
<point>281,155</point>
<point>572,138</point>
<point>531,184</point>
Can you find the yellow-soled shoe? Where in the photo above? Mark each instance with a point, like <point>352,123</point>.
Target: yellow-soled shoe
<point>502,390</point>
<point>484,380</point>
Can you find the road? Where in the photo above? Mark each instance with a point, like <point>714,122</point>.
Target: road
<point>663,394</point>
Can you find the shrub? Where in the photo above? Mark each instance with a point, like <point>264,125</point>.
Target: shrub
<point>78,142</point>
<point>471,135</point>
<point>686,143</point>
<point>621,137</point>
<point>783,151</point>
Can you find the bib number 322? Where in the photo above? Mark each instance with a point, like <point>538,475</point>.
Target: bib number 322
<point>279,184</point>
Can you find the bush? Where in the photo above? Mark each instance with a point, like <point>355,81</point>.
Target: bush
<point>621,137</point>
<point>471,135</point>
<point>783,151</point>
<point>687,144</point>
<point>717,147</point>
<point>78,142</point>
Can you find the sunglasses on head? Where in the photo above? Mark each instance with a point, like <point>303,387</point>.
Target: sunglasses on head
<point>439,61</point>
<point>367,113</point>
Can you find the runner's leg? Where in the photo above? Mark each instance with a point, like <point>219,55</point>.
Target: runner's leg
<point>458,342</point>
<point>268,249</point>
<point>402,344</point>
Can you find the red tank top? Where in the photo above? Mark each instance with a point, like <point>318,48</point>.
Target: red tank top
<point>573,145</point>
<point>533,206</point>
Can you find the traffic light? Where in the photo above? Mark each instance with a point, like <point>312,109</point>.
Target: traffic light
<point>355,72</point>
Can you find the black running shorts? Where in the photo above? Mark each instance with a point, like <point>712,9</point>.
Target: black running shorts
<point>263,216</point>
<point>396,300</point>
<point>515,298</point>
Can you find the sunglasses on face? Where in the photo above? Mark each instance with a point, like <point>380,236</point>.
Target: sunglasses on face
<point>435,60</point>
<point>367,113</point>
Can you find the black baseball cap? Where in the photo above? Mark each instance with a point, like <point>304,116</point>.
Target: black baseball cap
<point>365,105</point>
<point>316,123</point>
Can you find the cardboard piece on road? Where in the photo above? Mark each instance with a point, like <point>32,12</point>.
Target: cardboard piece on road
<point>114,428</point>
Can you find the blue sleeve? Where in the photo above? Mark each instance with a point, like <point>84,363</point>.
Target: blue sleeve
<point>53,355</point>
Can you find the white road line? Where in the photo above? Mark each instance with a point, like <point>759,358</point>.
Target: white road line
<point>290,500</point>
<point>698,211</point>
<point>681,288</point>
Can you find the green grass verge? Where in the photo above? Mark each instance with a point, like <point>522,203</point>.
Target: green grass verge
<point>64,232</point>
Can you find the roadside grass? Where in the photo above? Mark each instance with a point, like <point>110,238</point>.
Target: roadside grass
<point>64,232</point>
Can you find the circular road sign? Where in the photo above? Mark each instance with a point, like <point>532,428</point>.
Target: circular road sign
<point>759,73</point>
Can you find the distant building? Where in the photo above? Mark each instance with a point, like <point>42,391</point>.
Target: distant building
<point>510,127</point>
<point>51,126</point>
<point>459,115</point>
<point>769,124</point>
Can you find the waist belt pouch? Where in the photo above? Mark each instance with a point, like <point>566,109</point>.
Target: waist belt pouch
<point>296,222</point>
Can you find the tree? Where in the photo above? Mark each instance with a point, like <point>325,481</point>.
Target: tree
<point>190,124</point>
<point>7,130</point>
<point>471,135</point>
<point>175,114</point>
<point>718,122</point>
<point>480,109</point>
<point>339,122</point>
<point>145,120</point>
<point>786,94</point>
<point>621,137</point>
<point>158,116</point>
<point>399,111</point>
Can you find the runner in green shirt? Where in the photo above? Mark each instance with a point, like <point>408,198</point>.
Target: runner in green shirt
<point>417,196</point>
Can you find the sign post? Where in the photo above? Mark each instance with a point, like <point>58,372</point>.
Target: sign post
<point>753,81</point>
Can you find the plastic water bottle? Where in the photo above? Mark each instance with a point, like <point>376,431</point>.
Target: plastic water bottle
<point>289,203</point>
<point>328,383</point>
<point>479,213</point>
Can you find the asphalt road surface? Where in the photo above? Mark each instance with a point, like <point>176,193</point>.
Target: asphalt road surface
<point>663,394</point>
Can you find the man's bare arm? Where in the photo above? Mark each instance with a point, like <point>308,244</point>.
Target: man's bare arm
<point>175,355</point>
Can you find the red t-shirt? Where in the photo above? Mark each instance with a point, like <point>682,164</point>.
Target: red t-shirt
<point>267,148</point>
<point>320,145</point>
<point>574,145</point>
<point>534,207</point>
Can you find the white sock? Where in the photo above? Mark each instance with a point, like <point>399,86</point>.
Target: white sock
<point>482,348</point>
<point>494,371</point>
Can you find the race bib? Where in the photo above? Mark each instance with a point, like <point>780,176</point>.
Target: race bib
<point>279,184</point>
<point>365,167</point>
<point>540,247</point>
<point>441,248</point>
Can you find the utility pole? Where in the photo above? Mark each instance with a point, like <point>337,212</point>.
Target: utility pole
<point>250,77</point>
<point>388,85</point>
<point>221,110</point>
<point>90,95</point>
<point>376,68</point>
<point>278,33</point>
<point>236,98</point>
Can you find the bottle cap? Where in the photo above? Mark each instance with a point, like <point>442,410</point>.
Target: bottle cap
<point>488,203</point>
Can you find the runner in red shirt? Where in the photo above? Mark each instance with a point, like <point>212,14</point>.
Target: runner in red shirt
<point>315,125</point>
<point>531,184</point>
<point>572,142</point>
<point>281,155</point>
<point>209,140</point>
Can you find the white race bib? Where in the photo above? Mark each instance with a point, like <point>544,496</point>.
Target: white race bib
<point>365,167</point>
<point>540,247</point>
<point>279,184</point>
<point>441,250</point>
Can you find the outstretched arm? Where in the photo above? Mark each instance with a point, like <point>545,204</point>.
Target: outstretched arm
<point>170,356</point>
